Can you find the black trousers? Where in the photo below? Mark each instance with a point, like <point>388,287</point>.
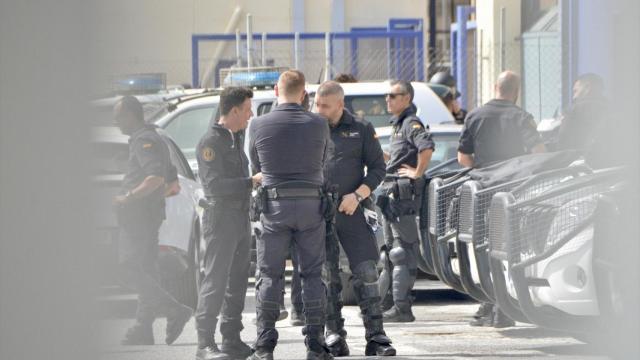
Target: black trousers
<point>285,221</point>
<point>227,232</point>
<point>138,254</point>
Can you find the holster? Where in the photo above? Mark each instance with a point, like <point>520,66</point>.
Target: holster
<point>329,203</point>
<point>257,204</point>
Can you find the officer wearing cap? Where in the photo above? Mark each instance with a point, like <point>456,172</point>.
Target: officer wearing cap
<point>140,211</point>
<point>497,131</point>
<point>289,146</point>
<point>223,168</point>
<point>356,148</point>
<point>410,151</point>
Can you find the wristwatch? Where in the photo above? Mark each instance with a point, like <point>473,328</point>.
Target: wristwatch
<point>358,197</point>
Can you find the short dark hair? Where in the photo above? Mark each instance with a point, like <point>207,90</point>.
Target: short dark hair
<point>406,86</point>
<point>133,106</point>
<point>233,96</point>
<point>593,81</point>
<point>345,78</point>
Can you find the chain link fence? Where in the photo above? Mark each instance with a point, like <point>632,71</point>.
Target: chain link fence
<point>369,56</point>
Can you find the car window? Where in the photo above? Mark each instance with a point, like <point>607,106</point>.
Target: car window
<point>264,108</point>
<point>372,107</point>
<point>446,147</point>
<point>187,128</point>
<point>178,160</point>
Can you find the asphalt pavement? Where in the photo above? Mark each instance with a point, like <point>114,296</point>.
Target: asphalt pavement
<point>439,332</point>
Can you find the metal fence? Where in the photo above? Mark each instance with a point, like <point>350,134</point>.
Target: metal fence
<point>368,55</point>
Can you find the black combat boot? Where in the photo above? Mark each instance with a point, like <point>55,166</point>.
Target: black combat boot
<point>177,318</point>
<point>235,347</point>
<point>337,344</point>
<point>316,350</point>
<point>379,345</point>
<point>261,354</point>
<point>297,318</point>
<point>500,320</point>
<point>399,314</point>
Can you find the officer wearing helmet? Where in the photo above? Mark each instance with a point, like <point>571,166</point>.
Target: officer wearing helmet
<point>444,78</point>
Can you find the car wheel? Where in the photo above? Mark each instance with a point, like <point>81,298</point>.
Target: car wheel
<point>348,293</point>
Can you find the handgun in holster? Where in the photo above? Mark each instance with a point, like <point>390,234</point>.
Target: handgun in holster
<point>257,204</point>
<point>329,203</point>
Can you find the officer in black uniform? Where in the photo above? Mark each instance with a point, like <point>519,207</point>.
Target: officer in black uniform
<point>410,152</point>
<point>141,210</point>
<point>355,148</point>
<point>583,123</point>
<point>497,131</point>
<point>289,146</point>
<point>223,168</point>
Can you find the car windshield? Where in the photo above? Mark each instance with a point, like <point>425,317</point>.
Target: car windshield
<point>371,107</point>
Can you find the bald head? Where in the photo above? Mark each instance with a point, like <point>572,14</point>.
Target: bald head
<point>508,86</point>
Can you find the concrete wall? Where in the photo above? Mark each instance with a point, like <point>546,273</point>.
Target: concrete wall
<point>489,25</point>
<point>155,36</point>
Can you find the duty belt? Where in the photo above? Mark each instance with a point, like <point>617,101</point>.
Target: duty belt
<point>294,193</point>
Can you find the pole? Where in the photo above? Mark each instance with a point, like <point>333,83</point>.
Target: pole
<point>296,50</point>
<point>249,40</point>
<point>264,49</point>
<point>238,56</point>
<point>327,56</point>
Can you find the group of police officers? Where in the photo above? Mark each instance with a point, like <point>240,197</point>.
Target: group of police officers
<point>313,174</point>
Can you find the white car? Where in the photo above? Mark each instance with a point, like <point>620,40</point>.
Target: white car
<point>188,118</point>
<point>179,234</point>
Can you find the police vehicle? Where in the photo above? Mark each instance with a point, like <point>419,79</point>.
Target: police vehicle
<point>179,235</point>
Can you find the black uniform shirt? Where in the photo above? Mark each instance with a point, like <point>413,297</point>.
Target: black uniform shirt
<point>289,144</point>
<point>582,124</point>
<point>355,146</point>
<point>496,131</point>
<point>408,138</point>
<point>223,166</point>
<point>148,156</point>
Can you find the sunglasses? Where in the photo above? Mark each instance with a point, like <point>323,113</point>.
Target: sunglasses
<point>393,96</point>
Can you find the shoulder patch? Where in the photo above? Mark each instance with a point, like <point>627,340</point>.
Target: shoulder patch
<point>147,146</point>
<point>208,154</point>
<point>416,126</point>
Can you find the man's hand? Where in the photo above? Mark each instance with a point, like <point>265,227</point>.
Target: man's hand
<point>408,171</point>
<point>120,200</point>
<point>257,179</point>
<point>172,189</point>
<point>349,204</point>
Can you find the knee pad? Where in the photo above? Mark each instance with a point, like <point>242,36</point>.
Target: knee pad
<point>366,271</point>
<point>398,256</point>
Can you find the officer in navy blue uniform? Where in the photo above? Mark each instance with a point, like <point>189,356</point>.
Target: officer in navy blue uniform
<point>497,131</point>
<point>410,152</point>
<point>288,146</point>
<point>150,177</point>
<point>355,149</point>
<point>223,168</point>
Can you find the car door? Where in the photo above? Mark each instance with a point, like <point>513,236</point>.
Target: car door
<point>181,209</point>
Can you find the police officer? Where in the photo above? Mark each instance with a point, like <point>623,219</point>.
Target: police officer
<point>355,148</point>
<point>223,168</point>
<point>141,210</point>
<point>289,145</point>
<point>497,131</point>
<point>452,103</point>
<point>582,123</point>
<point>410,151</point>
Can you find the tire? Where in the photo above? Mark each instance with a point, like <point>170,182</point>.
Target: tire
<point>348,294</point>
